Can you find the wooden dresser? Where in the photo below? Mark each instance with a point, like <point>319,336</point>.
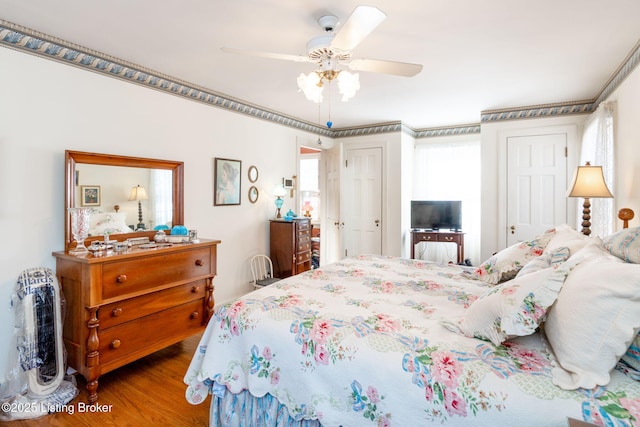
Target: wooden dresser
<point>290,247</point>
<point>123,306</point>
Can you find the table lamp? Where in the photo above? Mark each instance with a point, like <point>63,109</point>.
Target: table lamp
<point>588,182</point>
<point>279,192</point>
<point>139,193</point>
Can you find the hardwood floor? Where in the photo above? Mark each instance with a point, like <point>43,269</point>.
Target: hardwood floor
<point>147,392</point>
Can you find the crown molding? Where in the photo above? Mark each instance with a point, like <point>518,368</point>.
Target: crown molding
<point>29,41</point>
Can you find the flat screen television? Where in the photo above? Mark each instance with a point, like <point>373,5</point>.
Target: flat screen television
<point>436,214</point>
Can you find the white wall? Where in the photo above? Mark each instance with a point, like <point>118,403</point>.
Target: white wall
<point>627,155</point>
<point>627,142</point>
<point>47,107</point>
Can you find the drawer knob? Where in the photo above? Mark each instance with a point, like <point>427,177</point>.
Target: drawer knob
<point>448,239</point>
<point>121,278</point>
<point>115,343</point>
<point>199,262</point>
<point>194,315</point>
<point>195,289</point>
<point>116,312</point>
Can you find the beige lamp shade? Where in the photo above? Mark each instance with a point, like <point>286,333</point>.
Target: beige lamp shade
<point>588,181</point>
<point>138,193</point>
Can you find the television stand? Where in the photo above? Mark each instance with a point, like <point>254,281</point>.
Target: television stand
<point>457,237</point>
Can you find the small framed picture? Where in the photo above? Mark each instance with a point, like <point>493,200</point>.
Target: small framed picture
<point>226,182</point>
<point>89,195</point>
<point>287,183</point>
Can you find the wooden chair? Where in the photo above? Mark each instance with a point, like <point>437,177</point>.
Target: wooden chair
<point>262,271</point>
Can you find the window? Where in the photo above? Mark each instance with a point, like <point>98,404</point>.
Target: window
<point>451,171</point>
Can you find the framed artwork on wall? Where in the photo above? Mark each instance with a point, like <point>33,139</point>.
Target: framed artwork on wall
<point>226,182</point>
<point>253,194</point>
<point>89,195</point>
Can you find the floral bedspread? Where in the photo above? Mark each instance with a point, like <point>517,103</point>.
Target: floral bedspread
<point>359,342</point>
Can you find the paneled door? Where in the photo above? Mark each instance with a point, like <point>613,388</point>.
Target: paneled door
<point>331,227</point>
<point>361,203</point>
<point>536,184</point>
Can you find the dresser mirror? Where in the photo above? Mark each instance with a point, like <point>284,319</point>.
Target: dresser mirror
<point>111,186</point>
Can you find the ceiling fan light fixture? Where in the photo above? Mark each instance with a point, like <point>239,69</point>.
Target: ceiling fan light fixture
<point>348,84</point>
<point>311,85</point>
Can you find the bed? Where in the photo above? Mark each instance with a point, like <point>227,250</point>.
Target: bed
<point>542,331</point>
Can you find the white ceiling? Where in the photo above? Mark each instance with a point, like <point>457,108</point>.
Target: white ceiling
<point>477,55</point>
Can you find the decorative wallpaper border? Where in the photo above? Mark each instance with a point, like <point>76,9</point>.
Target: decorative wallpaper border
<point>26,40</point>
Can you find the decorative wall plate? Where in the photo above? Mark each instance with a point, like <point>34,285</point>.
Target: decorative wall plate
<point>253,174</point>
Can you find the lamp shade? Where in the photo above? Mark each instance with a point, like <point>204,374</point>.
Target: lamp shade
<point>138,193</point>
<point>588,181</point>
<point>279,191</point>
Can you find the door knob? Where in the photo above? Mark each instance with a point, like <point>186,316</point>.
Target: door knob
<point>513,229</point>
<point>377,221</point>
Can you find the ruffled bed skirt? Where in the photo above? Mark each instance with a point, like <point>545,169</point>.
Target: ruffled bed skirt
<point>246,410</point>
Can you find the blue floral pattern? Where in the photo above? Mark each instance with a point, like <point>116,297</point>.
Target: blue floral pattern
<point>360,342</point>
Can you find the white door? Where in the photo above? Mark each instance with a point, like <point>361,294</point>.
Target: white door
<point>330,231</point>
<point>362,202</point>
<point>536,184</point>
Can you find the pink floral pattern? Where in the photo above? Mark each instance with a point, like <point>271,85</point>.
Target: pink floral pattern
<point>360,342</point>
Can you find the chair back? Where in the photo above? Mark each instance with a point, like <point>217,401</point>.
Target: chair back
<point>261,268</point>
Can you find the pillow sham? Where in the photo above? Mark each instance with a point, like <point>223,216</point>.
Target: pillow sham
<point>505,264</point>
<point>552,259</point>
<point>513,308</point>
<point>625,244</point>
<point>594,319</point>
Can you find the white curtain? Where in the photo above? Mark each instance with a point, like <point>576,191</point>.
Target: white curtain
<point>161,197</point>
<point>450,171</point>
<point>598,149</point>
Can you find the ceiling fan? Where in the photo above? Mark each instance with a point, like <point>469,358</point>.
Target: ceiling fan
<point>333,48</point>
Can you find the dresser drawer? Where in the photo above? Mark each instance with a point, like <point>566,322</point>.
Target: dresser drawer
<point>304,246</point>
<point>304,226</point>
<point>130,309</point>
<point>303,257</point>
<point>123,277</point>
<point>448,237</point>
<point>154,331</point>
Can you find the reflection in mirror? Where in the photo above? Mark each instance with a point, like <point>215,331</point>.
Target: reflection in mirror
<point>116,212</point>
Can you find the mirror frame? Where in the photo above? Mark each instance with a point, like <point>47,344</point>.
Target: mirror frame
<point>71,158</point>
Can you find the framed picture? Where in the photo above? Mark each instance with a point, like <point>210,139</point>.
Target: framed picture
<point>89,195</point>
<point>226,182</point>
<point>253,194</point>
<point>253,174</point>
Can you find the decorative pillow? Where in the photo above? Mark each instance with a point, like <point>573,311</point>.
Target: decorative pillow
<point>566,236</point>
<point>552,259</point>
<point>514,308</point>
<point>108,222</point>
<point>594,319</point>
<point>625,244</point>
<point>505,264</point>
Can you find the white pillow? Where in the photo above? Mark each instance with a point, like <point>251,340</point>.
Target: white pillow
<point>625,244</point>
<point>566,236</point>
<point>594,319</point>
<point>505,264</point>
<point>514,308</point>
<point>108,222</point>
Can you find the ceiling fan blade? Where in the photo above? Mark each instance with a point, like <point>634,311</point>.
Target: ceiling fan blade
<point>386,67</point>
<point>362,21</point>
<point>283,56</point>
